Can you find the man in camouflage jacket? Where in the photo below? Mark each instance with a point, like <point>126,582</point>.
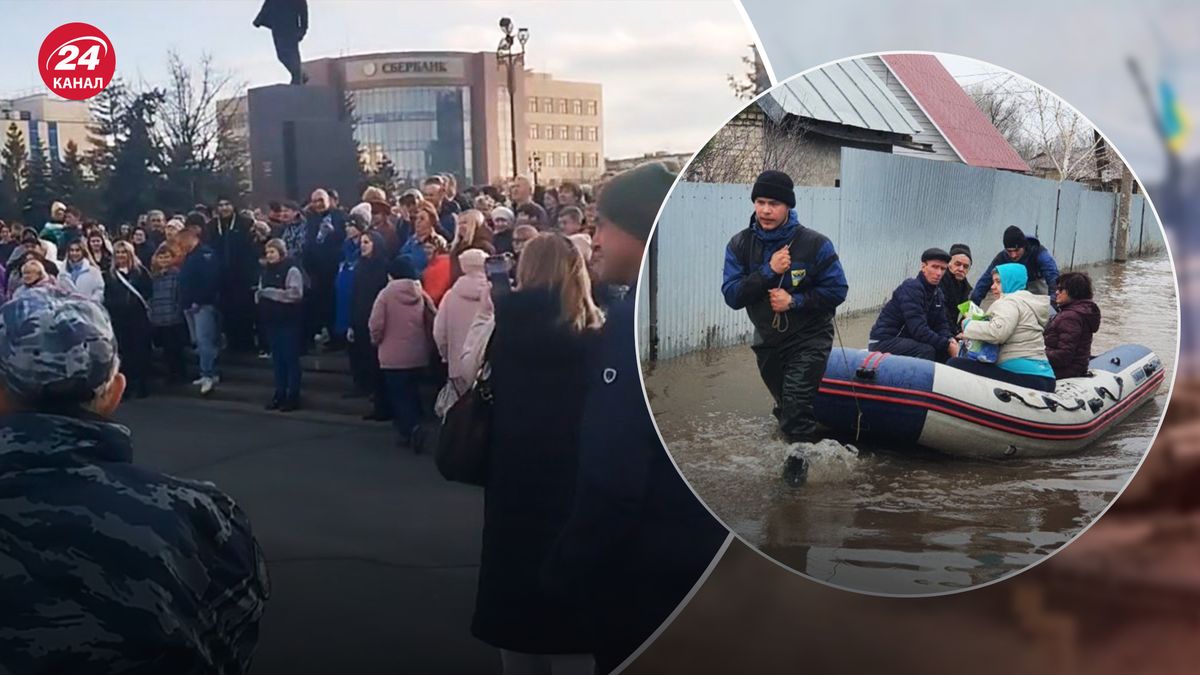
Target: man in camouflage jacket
<point>106,566</point>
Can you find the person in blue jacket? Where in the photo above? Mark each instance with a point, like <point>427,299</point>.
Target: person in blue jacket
<point>913,322</point>
<point>199,292</point>
<point>1028,251</point>
<point>789,280</point>
<point>637,540</point>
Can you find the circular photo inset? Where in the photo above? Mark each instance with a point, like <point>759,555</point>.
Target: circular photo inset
<point>908,323</point>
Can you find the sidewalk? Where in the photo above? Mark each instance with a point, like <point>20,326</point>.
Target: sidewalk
<point>373,556</point>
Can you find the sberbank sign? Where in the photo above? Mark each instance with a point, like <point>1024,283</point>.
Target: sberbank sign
<point>410,67</point>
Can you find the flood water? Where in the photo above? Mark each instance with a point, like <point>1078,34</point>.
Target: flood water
<point>905,520</point>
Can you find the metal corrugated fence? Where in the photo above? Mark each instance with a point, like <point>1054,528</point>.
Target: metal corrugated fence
<point>888,209</point>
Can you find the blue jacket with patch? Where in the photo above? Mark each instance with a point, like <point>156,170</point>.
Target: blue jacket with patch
<point>917,310</point>
<point>815,279</point>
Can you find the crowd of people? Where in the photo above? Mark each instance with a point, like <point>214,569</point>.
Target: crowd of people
<point>292,278</point>
<point>1037,329</point>
<point>590,537</point>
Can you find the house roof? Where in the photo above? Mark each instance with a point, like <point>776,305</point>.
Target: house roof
<point>845,93</point>
<point>956,116</point>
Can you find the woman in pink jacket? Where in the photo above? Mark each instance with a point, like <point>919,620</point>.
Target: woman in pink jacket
<point>454,318</point>
<point>401,326</point>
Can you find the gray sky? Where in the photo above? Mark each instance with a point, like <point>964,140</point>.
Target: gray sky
<point>1075,48</point>
<point>663,64</point>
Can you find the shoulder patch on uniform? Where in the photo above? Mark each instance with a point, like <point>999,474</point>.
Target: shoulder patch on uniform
<point>610,375</point>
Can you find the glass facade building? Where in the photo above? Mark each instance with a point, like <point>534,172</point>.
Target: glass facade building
<point>421,129</point>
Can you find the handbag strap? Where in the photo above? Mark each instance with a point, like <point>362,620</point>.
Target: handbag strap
<point>121,277</point>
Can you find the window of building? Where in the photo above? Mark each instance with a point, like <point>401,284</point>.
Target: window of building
<point>564,133</point>
<point>593,134</point>
<point>577,107</point>
<point>533,131</point>
<point>578,134</point>
<point>548,133</point>
<point>578,159</point>
<point>547,105</point>
<point>533,106</point>
<point>562,106</point>
<point>593,160</point>
<point>591,107</point>
<point>564,159</point>
<point>550,158</point>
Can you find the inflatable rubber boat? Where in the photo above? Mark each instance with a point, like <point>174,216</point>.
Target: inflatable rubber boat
<point>904,400</point>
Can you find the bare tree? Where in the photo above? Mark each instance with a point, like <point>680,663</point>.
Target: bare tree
<point>754,81</point>
<point>195,134</point>
<point>1062,136</point>
<point>1006,111</point>
<point>750,143</point>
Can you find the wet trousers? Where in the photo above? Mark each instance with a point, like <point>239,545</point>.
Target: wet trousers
<point>792,372</point>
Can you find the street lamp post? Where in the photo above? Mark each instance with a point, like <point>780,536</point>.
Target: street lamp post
<point>512,56</point>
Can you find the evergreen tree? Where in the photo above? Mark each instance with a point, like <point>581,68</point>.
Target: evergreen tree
<point>69,183</point>
<point>107,110</point>
<point>36,197</point>
<point>137,162</point>
<point>12,168</point>
<point>384,176</point>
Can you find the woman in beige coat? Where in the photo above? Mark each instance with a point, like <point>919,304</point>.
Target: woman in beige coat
<point>1015,321</point>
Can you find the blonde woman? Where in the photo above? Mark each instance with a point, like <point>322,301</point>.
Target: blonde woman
<point>471,232</point>
<point>127,292</point>
<point>544,330</point>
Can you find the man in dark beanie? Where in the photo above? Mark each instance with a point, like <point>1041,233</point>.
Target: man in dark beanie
<point>789,280</point>
<point>955,287</point>
<point>913,322</point>
<point>637,540</point>
<point>1027,251</point>
<point>228,234</point>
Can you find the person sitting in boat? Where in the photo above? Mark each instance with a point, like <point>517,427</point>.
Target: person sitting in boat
<point>1069,333</point>
<point>955,287</point>
<point>1040,268</point>
<point>914,322</point>
<point>1014,322</point>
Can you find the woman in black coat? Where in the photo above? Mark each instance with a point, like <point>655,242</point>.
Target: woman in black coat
<point>370,276</point>
<point>538,353</point>
<point>127,291</point>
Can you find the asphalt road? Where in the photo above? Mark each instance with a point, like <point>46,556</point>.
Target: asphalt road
<point>373,556</point>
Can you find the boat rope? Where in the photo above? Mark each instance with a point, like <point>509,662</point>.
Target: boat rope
<point>1006,395</point>
<point>846,362</point>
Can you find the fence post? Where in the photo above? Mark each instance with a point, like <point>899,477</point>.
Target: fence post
<point>1121,245</point>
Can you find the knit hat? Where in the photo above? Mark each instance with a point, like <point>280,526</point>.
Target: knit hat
<point>1014,237</point>
<point>402,267</point>
<point>775,185</point>
<point>55,347</point>
<point>472,261</point>
<point>503,212</point>
<point>363,209</point>
<point>960,248</point>
<point>935,254</point>
<point>631,200</point>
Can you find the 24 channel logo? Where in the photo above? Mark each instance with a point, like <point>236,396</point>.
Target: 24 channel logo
<point>77,61</point>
